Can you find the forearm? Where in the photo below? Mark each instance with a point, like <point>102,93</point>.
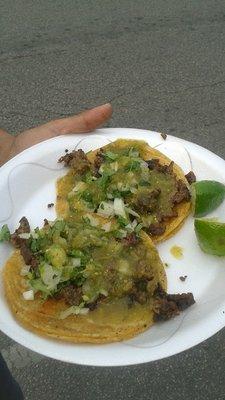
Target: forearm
<point>6,146</point>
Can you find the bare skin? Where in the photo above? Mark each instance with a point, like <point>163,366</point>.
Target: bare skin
<point>86,121</point>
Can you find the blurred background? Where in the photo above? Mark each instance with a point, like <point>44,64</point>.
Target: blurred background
<point>162,65</point>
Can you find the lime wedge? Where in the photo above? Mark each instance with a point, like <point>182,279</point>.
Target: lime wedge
<point>206,197</point>
<point>211,236</point>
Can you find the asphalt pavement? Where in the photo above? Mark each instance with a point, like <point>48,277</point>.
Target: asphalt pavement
<point>162,65</point>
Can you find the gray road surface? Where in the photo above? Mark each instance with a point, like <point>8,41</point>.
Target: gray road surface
<point>162,64</point>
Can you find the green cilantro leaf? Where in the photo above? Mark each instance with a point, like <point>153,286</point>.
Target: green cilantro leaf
<point>4,234</point>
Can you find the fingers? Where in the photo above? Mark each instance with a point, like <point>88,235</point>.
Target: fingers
<point>87,121</point>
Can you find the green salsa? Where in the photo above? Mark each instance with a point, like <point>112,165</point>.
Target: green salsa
<point>124,186</point>
<point>86,253</point>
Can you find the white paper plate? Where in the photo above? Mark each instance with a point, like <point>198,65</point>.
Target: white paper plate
<point>27,185</point>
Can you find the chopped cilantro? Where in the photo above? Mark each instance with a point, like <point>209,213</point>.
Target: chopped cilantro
<point>138,228</point>
<point>59,226</point>
<point>134,165</point>
<point>133,152</point>
<point>142,182</point>
<point>87,196</point>
<point>86,220</point>
<point>110,155</point>
<point>116,194</point>
<point>122,221</point>
<point>4,234</point>
<point>104,180</point>
<point>89,177</point>
<point>119,234</point>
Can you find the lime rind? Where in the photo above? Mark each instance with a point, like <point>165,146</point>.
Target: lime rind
<point>206,197</point>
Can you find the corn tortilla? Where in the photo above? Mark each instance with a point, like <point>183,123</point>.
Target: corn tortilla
<point>108,323</point>
<point>65,184</point>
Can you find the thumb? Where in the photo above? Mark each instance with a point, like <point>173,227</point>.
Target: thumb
<point>84,122</point>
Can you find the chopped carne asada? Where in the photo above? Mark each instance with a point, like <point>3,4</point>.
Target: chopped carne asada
<point>191,178</point>
<point>147,201</point>
<point>130,240</point>
<point>99,158</point>
<point>77,160</point>
<point>71,294</point>
<point>156,229</point>
<point>22,243</point>
<point>139,291</point>
<point>27,255</point>
<point>24,227</point>
<point>167,306</point>
<point>93,305</point>
<point>154,164</point>
<point>182,193</point>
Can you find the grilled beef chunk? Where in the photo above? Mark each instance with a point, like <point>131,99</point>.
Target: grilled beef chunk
<point>77,160</point>
<point>156,229</point>
<point>46,223</point>
<point>130,240</point>
<point>27,255</point>
<point>167,306</point>
<point>92,306</point>
<point>99,158</point>
<point>139,291</point>
<point>191,178</point>
<point>71,294</point>
<point>154,164</point>
<point>24,227</point>
<point>22,244</point>
<point>182,193</point>
<point>147,201</point>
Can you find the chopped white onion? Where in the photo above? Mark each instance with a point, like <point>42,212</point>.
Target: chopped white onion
<point>76,262</point>
<point>74,310</point>
<point>28,295</point>
<point>79,187</point>
<point>114,166</point>
<point>124,267</point>
<point>106,227</point>
<point>24,235</point>
<point>25,270</point>
<point>104,292</point>
<point>101,169</point>
<point>132,212</point>
<point>93,221</point>
<point>119,207</point>
<point>144,164</point>
<point>106,209</point>
<point>50,276</point>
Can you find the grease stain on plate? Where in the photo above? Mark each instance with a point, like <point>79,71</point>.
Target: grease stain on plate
<point>177,252</point>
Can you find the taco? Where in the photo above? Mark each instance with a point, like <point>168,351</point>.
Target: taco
<point>127,180</point>
<point>81,281</point>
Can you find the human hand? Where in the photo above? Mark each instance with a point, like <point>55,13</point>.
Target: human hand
<point>86,121</point>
